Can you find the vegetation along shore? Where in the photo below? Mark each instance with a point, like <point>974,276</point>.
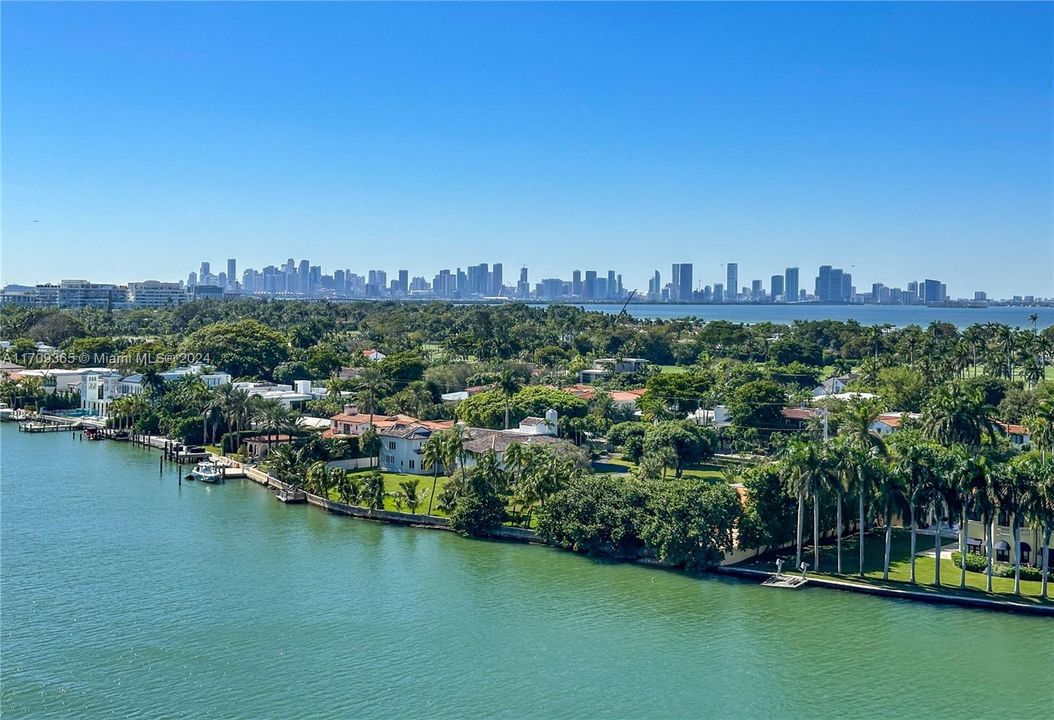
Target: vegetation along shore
<point>912,457</point>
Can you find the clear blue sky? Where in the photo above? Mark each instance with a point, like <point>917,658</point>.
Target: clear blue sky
<point>900,140</point>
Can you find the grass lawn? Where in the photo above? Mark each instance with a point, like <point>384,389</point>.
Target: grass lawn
<point>900,567</point>
<point>672,369</point>
<point>616,465</point>
<point>391,486</point>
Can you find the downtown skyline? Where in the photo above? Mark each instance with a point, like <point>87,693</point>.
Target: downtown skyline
<point>888,137</point>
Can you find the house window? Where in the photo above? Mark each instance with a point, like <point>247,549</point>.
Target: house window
<point>411,464</point>
<point>391,444</point>
<point>1002,551</point>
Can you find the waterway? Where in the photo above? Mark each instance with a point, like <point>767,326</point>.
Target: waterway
<point>897,315</point>
<point>126,595</point>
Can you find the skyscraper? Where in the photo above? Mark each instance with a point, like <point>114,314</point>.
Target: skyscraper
<point>304,274</point>
<point>590,289</point>
<point>790,289</point>
<point>404,282</point>
<point>576,283</point>
<point>823,283</point>
<point>731,282</point>
<point>675,282</point>
<point>205,270</point>
<point>684,292</point>
<point>497,284</point>
<point>719,292</point>
<point>232,272</point>
<point>776,287</point>
<point>612,289</point>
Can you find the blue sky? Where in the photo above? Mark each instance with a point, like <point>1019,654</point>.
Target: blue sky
<point>900,141</point>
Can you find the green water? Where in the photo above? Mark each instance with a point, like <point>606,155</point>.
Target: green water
<point>124,595</point>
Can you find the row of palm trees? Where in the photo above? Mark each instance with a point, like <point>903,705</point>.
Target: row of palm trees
<point>942,466</point>
<point>222,406</point>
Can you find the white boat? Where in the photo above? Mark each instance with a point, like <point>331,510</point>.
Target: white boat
<point>6,413</point>
<point>207,472</point>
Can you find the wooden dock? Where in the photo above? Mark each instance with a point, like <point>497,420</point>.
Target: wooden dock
<point>40,426</point>
<point>790,582</point>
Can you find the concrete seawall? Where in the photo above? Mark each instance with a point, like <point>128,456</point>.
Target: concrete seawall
<point>903,594</point>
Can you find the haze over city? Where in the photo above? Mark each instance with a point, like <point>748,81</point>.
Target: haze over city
<point>899,142</point>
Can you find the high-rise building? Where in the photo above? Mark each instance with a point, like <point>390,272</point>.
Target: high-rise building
<point>719,292</point>
<point>684,292</point>
<point>776,287</point>
<point>847,287</point>
<point>675,282</point>
<point>497,284</point>
<point>756,291</point>
<point>576,283</point>
<point>931,291</point>
<point>589,290</point>
<point>205,270</point>
<point>731,281</point>
<point>304,277</point>
<point>790,289</point>
<point>232,272</point>
<point>611,288</point>
<point>404,282</point>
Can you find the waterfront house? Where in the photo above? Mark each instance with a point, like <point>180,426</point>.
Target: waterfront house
<point>98,390</point>
<point>258,446</point>
<point>352,423</point>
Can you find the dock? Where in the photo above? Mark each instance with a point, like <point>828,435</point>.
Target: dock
<point>39,426</point>
<point>791,582</point>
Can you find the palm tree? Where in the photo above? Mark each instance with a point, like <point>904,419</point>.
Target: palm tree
<point>508,384</point>
<point>1014,492</point>
<point>410,493</point>
<point>957,414</point>
<point>913,461</point>
<point>1040,510</point>
<point>984,481</point>
<point>374,491</point>
<point>846,463</point>
<point>338,479</point>
<point>432,456</point>
<point>804,466</point>
<point>453,449</point>
<point>318,478</point>
<point>373,384</point>
<point>889,490</point>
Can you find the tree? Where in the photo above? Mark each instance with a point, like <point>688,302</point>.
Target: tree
<point>371,386</point>
<point>244,348</point>
<point>318,479</point>
<point>478,509</point>
<point>914,461</point>
<point>508,384</point>
<point>687,443</point>
<point>432,452</point>
<point>805,469</point>
<point>596,515</point>
<point>957,414</point>
<point>691,522</point>
<point>758,404</point>
<point>373,491</point>
<point>1014,495</point>
<point>889,491</point>
<point>768,514</point>
<point>411,495</point>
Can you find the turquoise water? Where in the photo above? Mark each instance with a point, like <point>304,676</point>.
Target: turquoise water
<point>124,595</point>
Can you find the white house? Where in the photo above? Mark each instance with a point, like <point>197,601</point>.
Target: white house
<point>831,386</point>
<point>890,422</point>
<point>719,417</point>
<point>98,389</point>
<point>373,354</point>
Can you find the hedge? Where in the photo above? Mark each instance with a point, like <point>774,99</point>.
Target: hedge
<point>979,564</point>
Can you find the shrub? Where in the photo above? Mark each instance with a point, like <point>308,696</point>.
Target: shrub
<point>974,562</point>
<point>978,563</point>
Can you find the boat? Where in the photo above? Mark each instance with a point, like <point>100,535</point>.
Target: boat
<point>207,472</point>
<point>6,413</point>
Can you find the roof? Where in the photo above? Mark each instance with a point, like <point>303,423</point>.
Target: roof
<point>383,421</point>
<point>587,392</point>
<point>406,431</point>
<point>269,438</point>
<point>534,421</point>
<point>1013,429</point>
<point>799,413</point>
<point>895,419</point>
<point>480,440</point>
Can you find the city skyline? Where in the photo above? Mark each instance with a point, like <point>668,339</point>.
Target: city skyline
<point>292,279</point>
<point>880,136</point>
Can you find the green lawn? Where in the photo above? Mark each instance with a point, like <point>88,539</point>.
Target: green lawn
<point>391,486</point>
<point>672,368</point>
<point>900,566</point>
<point>616,465</point>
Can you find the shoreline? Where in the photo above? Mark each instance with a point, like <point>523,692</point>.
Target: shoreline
<point>523,535</point>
